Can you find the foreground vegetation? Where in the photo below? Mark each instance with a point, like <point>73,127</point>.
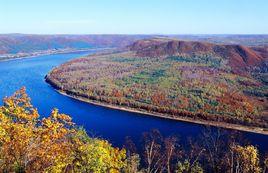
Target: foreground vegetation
<point>52,144</point>
<point>199,87</point>
<point>55,144</point>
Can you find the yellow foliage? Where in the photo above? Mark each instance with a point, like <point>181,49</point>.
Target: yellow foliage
<point>52,144</point>
<point>247,159</point>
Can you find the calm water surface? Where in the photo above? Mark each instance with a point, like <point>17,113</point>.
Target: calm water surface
<point>110,124</point>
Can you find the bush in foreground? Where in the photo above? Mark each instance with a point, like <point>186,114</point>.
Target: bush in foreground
<point>52,144</point>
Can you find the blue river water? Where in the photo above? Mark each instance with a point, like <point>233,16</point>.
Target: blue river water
<point>110,124</point>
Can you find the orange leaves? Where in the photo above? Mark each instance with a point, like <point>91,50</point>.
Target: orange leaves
<point>184,102</point>
<point>236,102</point>
<point>56,120</point>
<point>159,98</point>
<point>19,98</point>
<point>117,93</point>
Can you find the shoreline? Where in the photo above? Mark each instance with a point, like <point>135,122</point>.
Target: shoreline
<point>3,59</point>
<point>224,125</point>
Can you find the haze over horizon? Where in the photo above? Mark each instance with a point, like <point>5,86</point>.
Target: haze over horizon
<point>134,17</point>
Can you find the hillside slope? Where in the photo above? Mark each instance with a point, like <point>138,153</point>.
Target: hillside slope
<point>240,58</point>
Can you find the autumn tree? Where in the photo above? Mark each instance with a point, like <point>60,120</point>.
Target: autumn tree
<point>52,144</point>
<point>246,159</point>
<point>18,119</point>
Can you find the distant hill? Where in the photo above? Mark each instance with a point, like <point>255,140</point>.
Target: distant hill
<point>240,58</point>
<point>246,40</point>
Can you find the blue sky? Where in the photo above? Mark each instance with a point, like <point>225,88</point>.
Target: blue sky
<point>134,16</point>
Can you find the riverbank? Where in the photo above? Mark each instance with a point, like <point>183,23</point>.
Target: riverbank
<point>32,55</point>
<point>167,116</point>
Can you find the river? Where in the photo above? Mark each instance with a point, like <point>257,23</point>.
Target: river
<point>110,124</point>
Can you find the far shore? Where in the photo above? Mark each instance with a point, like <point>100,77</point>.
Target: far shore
<point>167,116</point>
<point>17,57</point>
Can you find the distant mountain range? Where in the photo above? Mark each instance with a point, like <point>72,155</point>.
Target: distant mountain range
<point>28,43</point>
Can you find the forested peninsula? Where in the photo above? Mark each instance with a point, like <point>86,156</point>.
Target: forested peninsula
<point>220,85</point>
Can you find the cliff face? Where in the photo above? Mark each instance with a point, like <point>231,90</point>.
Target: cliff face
<point>240,57</point>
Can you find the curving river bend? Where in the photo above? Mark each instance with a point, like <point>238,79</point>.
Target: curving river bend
<point>110,124</point>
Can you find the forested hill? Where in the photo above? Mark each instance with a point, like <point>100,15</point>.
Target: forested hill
<point>175,79</point>
<point>240,58</point>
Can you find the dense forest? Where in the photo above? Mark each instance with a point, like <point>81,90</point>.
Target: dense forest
<point>195,80</point>
<point>55,144</point>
